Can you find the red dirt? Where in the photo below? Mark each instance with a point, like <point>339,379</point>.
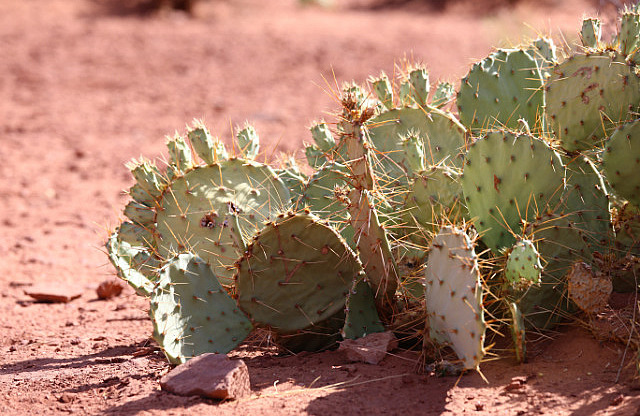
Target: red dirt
<point>86,86</point>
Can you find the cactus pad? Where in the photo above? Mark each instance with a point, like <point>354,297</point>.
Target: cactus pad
<point>198,211</point>
<point>295,272</point>
<point>621,160</point>
<point>507,178</point>
<point>453,296</point>
<point>587,95</point>
<point>361,313</point>
<point>523,266</point>
<point>501,89</point>
<point>191,312</point>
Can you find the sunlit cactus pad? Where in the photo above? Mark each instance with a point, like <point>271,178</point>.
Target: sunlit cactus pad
<point>453,296</point>
<point>192,314</point>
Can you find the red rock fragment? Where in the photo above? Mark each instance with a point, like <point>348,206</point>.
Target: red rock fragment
<point>209,375</point>
<point>370,349</point>
<point>53,292</point>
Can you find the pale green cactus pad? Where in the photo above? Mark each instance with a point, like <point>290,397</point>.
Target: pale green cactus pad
<point>130,263</point>
<point>212,209</point>
<point>453,296</point>
<point>442,135</point>
<point>587,95</point>
<point>192,313</point>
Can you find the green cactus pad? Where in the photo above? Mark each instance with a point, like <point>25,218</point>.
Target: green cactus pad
<point>621,160</point>
<point>148,177</point>
<point>127,260</point>
<point>587,95</point>
<point>383,89</point>
<point>197,211</point>
<point>361,313</point>
<point>140,214</point>
<point>435,195</point>
<point>180,154</point>
<point>445,92</point>
<point>586,202</point>
<point>192,314</point>
<point>295,272</point>
<point>442,135</point>
<point>507,178</point>
<point>501,89</point>
<point>453,296</point>
<point>523,266</point>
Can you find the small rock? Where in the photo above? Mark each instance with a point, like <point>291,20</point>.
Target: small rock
<point>53,292</point>
<point>109,289</point>
<point>209,375</point>
<point>370,349</point>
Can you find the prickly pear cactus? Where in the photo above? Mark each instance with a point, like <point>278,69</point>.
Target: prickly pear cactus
<point>586,202</point>
<point>434,195</point>
<point>621,161</point>
<point>523,266</point>
<point>361,313</point>
<point>453,296</point>
<point>296,272</point>
<point>212,209</point>
<point>560,244</point>
<point>134,264</point>
<point>192,313</point>
<point>501,89</point>
<point>591,33</point>
<point>509,178</point>
<point>443,140</point>
<point>587,95</point>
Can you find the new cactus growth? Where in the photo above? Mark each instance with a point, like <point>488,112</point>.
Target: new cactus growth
<point>591,33</point>
<point>192,313</point>
<point>523,266</point>
<point>454,296</point>
<point>248,142</point>
<point>361,313</point>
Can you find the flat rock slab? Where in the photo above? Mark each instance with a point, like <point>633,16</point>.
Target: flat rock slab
<point>370,349</point>
<point>209,375</point>
<point>53,292</point>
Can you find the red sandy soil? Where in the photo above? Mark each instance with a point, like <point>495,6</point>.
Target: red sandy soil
<point>87,85</point>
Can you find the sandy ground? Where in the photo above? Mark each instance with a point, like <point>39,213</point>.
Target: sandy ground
<point>87,85</point>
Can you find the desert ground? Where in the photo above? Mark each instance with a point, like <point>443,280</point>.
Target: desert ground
<point>87,85</point>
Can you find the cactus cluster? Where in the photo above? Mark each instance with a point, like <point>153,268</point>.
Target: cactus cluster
<point>531,173</point>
